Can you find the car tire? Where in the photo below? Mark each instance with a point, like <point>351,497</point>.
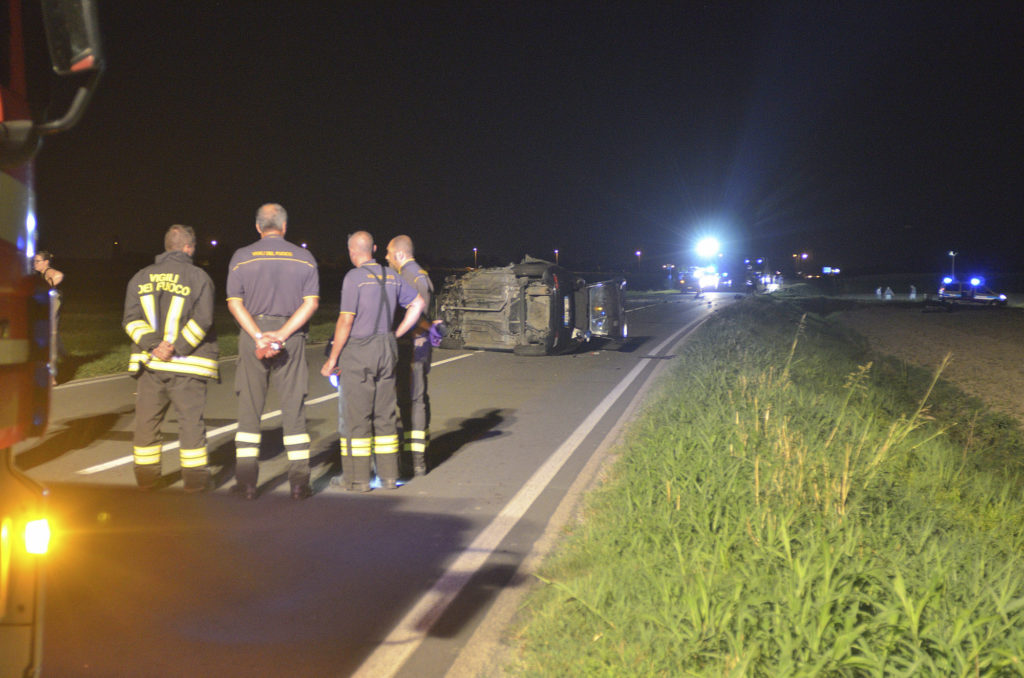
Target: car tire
<point>451,343</point>
<point>530,349</point>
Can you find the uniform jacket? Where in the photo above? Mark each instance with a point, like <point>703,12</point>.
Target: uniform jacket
<point>172,299</point>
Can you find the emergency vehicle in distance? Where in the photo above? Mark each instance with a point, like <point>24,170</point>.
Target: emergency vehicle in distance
<point>31,84</point>
<point>531,308</point>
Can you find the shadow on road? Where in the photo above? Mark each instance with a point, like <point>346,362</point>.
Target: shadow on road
<point>482,425</point>
<point>73,435</point>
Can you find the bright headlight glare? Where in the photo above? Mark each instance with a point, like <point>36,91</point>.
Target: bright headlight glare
<point>37,536</point>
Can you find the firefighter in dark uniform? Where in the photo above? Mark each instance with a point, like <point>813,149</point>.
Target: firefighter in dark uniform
<point>273,290</point>
<point>168,313</point>
<point>413,359</point>
<point>363,340</point>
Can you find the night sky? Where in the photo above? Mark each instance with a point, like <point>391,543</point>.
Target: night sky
<point>874,135</point>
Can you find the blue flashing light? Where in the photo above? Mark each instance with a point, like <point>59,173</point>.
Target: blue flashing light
<point>976,281</point>
<point>947,280</point>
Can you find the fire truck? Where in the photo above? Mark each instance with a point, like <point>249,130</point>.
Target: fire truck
<point>49,59</point>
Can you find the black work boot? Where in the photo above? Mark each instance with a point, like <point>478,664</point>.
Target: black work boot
<point>387,470</point>
<point>147,476</point>
<point>196,480</point>
<point>298,477</point>
<point>247,475</point>
<point>348,470</point>
<point>419,464</point>
<point>360,480</point>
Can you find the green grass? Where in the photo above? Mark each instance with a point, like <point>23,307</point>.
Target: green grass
<point>96,345</point>
<point>789,505</point>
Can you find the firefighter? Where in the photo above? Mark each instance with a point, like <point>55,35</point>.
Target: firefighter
<point>273,290</point>
<point>413,359</point>
<point>168,313</point>
<point>368,353</point>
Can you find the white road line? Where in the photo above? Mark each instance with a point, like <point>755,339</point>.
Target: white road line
<point>121,461</point>
<point>411,631</point>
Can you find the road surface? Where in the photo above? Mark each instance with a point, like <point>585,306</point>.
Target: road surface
<point>390,583</point>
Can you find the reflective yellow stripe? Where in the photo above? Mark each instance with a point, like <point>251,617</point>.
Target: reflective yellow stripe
<point>147,455</point>
<point>361,447</point>
<point>136,360</point>
<point>298,455</point>
<point>136,329</point>
<point>385,444</point>
<point>247,445</point>
<point>343,444</point>
<point>193,458</point>
<point>193,333</point>
<point>149,308</point>
<point>187,364</point>
<point>297,439</point>
<point>173,319</point>
<point>415,441</point>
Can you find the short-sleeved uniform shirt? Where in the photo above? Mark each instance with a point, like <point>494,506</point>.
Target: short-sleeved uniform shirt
<point>360,296</point>
<point>419,279</point>
<point>272,277</point>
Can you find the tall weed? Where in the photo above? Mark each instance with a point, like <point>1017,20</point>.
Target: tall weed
<point>790,505</point>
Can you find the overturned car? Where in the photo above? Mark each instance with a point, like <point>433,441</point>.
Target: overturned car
<point>531,308</point>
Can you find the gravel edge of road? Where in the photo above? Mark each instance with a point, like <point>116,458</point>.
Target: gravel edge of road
<point>488,654</point>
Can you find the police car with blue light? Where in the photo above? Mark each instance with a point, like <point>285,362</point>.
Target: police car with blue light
<point>973,292</point>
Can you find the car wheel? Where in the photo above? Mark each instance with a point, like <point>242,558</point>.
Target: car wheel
<point>530,349</point>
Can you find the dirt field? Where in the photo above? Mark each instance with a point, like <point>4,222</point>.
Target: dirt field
<point>987,347</point>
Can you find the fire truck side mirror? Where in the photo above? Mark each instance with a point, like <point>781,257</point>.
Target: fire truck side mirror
<point>73,35</point>
<point>74,40</point>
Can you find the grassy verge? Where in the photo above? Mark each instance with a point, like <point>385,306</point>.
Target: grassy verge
<point>786,506</point>
<point>95,345</point>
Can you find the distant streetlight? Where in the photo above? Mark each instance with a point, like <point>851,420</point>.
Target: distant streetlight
<point>952,264</point>
<point>556,256</point>
<point>213,243</point>
<point>474,257</point>
<point>638,253</point>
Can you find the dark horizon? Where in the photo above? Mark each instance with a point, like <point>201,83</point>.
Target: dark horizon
<point>876,135</point>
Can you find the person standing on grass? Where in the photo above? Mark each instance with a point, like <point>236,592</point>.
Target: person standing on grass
<point>42,263</point>
<point>168,313</point>
<point>273,290</point>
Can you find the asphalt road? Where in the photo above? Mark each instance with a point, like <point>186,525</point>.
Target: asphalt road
<point>390,583</point>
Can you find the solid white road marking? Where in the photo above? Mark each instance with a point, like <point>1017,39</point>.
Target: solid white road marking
<point>412,630</point>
